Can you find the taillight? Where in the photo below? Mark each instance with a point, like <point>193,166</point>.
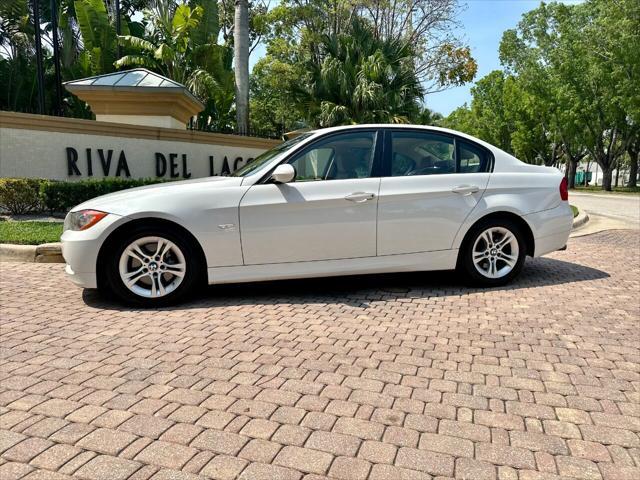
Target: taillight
<point>564,190</point>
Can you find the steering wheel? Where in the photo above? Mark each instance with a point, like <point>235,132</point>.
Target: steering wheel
<point>407,171</point>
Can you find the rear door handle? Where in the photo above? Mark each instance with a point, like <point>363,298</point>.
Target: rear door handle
<point>465,189</point>
<point>360,197</point>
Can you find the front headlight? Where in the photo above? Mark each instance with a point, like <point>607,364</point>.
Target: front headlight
<point>82,219</point>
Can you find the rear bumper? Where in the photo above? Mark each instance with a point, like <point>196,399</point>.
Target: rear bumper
<point>551,228</point>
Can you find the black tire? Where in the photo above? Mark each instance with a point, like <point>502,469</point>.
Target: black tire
<point>190,281</point>
<point>466,263</point>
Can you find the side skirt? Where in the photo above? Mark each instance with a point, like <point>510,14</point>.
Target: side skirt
<point>410,262</point>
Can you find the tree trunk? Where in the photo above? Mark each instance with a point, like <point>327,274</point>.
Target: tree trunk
<point>586,173</point>
<point>633,170</point>
<point>617,172</point>
<point>241,64</point>
<point>607,174</point>
<point>573,166</point>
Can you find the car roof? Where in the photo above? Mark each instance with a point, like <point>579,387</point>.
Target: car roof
<point>404,126</point>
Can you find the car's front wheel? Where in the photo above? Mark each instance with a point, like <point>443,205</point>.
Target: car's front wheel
<point>493,253</point>
<point>152,267</point>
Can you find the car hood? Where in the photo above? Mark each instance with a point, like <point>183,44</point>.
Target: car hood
<point>152,197</point>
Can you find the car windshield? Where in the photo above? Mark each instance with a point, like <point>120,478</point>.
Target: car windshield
<point>262,159</point>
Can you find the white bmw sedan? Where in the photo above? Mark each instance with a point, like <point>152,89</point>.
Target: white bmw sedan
<point>339,201</point>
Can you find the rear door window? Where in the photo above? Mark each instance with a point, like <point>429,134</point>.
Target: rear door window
<point>421,153</point>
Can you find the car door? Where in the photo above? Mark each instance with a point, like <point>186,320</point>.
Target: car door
<point>432,182</point>
<point>328,212</point>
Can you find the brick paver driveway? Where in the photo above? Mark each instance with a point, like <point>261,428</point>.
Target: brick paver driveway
<point>387,377</point>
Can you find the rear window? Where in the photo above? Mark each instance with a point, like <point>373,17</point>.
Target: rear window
<point>471,158</point>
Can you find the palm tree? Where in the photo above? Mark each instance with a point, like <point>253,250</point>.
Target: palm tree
<point>98,37</point>
<point>180,42</point>
<point>429,117</point>
<point>361,78</point>
<point>17,57</point>
<point>241,61</point>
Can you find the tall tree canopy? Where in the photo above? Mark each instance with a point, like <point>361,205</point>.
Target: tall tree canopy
<point>578,58</point>
<point>358,60</point>
<point>440,58</point>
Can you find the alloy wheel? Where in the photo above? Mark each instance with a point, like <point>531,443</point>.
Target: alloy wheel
<point>495,252</point>
<point>152,267</point>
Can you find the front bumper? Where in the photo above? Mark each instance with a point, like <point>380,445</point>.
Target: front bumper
<point>80,250</point>
<point>83,280</point>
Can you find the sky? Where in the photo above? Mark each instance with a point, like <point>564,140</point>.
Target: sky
<point>482,23</point>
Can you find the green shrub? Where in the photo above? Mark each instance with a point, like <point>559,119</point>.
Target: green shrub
<point>20,195</point>
<point>575,210</point>
<point>60,196</point>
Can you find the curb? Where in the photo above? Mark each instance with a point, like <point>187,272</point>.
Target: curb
<point>45,253</point>
<point>580,220</point>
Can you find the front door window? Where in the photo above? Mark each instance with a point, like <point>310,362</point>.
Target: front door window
<point>339,157</point>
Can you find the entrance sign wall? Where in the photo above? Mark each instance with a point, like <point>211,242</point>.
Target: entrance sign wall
<point>72,149</point>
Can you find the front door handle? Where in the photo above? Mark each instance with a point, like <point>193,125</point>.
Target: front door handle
<point>465,189</point>
<point>360,197</point>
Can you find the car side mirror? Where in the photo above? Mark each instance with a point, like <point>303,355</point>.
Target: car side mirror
<point>283,173</point>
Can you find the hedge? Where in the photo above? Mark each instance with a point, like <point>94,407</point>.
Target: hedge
<point>59,196</point>
<point>20,195</point>
<point>32,195</point>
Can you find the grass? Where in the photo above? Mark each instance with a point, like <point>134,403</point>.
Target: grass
<point>598,189</point>
<point>30,232</point>
<point>575,211</point>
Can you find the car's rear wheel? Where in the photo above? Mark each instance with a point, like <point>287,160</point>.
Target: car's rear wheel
<point>493,253</point>
<point>152,267</point>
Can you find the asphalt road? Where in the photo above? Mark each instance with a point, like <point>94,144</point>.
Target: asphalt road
<point>625,208</point>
